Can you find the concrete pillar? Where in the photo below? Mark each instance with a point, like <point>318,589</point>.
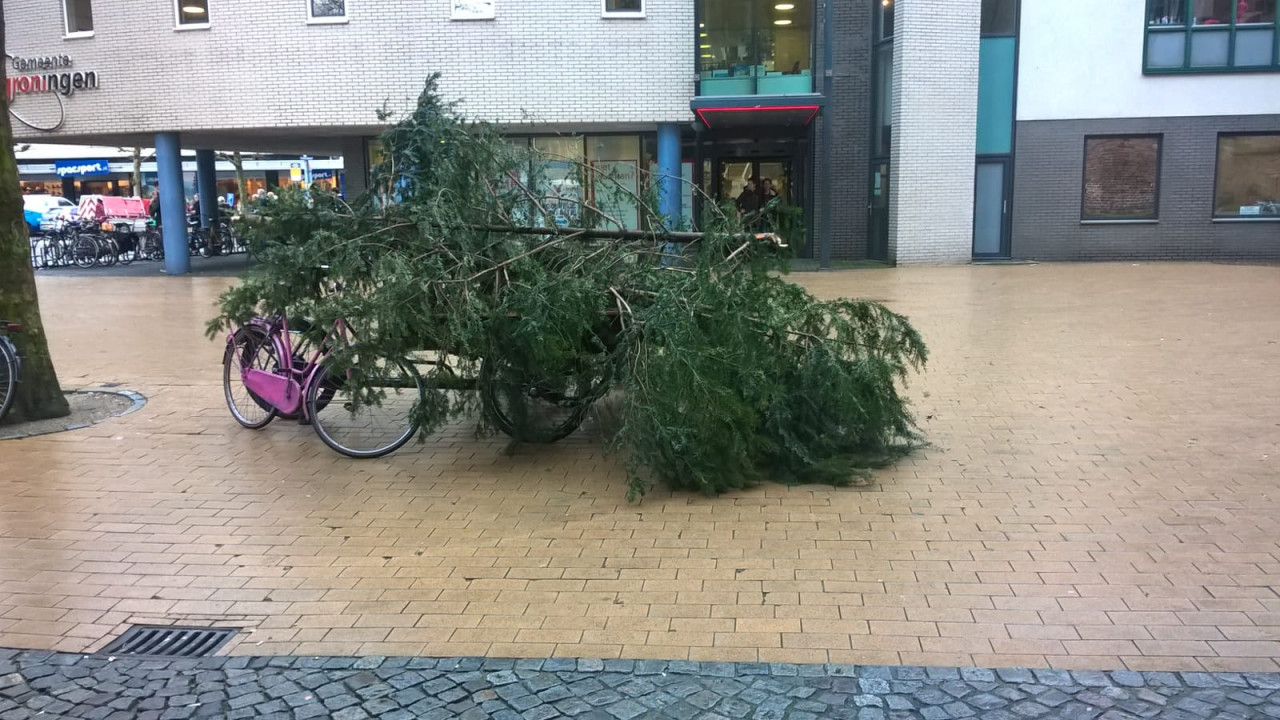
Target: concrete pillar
<point>207,185</point>
<point>935,125</point>
<point>173,206</point>
<point>669,157</point>
<point>355,168</point>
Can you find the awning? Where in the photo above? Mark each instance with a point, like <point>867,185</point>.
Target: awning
<point>725,112</point>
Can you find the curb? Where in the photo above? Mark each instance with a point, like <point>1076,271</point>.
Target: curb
<point>138,402</point>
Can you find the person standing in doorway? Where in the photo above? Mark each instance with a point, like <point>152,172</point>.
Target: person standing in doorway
<point>749,199</point>
<point>767,192</point>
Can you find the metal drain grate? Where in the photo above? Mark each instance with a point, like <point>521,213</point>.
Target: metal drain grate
<point>168,641</point>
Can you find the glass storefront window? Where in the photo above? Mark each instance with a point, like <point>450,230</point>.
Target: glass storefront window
<point>1248,176</point>
<point>558,178</point>
<point>615,186</point>
<point>750,47</point>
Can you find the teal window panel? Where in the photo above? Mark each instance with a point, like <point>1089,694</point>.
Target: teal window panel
<point>996,73</point>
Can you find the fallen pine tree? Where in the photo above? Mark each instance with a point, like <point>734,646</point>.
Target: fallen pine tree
<point>727,374</point>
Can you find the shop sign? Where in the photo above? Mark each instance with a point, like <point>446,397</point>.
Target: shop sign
<point>321,174</point>
<point>81,168</point>
<point>295,172</point>
<point>45,75</point>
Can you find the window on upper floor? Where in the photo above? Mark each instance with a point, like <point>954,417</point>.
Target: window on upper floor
<point>192,13</point>
<point>623,8</point>
<point>1248,177</point>
<point>79,15</point>
<point>999,17</point>
<point>326,11</point>
<point>884,20</point>
<point>473,10</point>
<point>755,47</point>
<point>1211,36</point>
<point>1121,178</point>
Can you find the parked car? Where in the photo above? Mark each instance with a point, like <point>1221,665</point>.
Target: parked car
<point>36,208</point>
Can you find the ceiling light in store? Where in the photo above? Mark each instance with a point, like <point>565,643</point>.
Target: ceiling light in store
<point>702,34</point>
<point>781,22</point>
<point>702,25</point>
<point>708,56</point>
<point>886,3</point>
<point>784,6</point>
<point>193,9</point>
<point>704,47</point>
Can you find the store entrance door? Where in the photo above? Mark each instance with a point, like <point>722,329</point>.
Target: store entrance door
<point>878,213</point>
<point>733,176</point>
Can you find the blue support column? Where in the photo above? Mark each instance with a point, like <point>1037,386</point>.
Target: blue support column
<point>206,185</point>
<point>173,205</point>
<point>669,184</point>
<point>669,172</point>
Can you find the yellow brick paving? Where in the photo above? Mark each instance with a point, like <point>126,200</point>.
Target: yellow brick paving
<point>1102,493</point>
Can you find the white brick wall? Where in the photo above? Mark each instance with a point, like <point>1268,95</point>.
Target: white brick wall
<point>935,115</point>
<point>261,66</point>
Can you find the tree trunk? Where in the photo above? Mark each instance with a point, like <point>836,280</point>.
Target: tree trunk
<point>39,395</point>
<point>237,160</point>
<point>137,171</point>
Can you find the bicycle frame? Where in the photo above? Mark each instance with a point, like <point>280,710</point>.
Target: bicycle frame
<point>285,390</point>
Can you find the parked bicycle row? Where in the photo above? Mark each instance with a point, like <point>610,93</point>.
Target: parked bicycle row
<point>88,245</point>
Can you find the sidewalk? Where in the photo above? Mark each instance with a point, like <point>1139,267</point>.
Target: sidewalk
<point>472,688</point>
<point>1101,494</point>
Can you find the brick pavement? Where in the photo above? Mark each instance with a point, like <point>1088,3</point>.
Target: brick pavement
<point>1099,495</point>
<point>471,688</point>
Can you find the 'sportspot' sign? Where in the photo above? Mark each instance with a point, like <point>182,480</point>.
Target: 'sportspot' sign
<point>80,168</point>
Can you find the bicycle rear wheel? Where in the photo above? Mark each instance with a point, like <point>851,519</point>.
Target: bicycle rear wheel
<point>364,412</point>
<point>84,252</point>
<point>8,378</point>
<point>537,411</point>
<point>250,348</point>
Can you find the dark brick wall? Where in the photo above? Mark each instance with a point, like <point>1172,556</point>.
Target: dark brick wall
<point>1047,193</point>
<point>849,111</point>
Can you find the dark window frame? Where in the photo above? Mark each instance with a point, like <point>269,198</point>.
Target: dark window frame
<point>67,17</point>
<point>1188,29</point>
<point>1012,31</point>
<point>1217,177</point>
<point>195,23</point>
<point>1084,176</point>
<point>312,17</point>
<point>606,12</point>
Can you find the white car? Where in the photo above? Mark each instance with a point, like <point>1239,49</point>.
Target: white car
<point>37,209</point>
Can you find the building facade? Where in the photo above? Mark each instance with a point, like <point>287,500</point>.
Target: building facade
<point>1159,139</point>
<point>906,131</point>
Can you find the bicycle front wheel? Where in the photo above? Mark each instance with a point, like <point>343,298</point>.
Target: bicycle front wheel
<point>8,378</point>
<point>364,412</point>
<point>250,348</point>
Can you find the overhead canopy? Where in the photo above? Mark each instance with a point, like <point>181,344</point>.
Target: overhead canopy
<point>747,111</point>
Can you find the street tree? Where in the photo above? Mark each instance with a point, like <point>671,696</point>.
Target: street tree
<point>39,394</point>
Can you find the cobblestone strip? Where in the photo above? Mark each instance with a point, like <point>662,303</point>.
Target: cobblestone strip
<point>49,685</point>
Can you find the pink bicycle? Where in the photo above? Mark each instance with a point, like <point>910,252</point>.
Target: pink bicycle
<point>359,406</point>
